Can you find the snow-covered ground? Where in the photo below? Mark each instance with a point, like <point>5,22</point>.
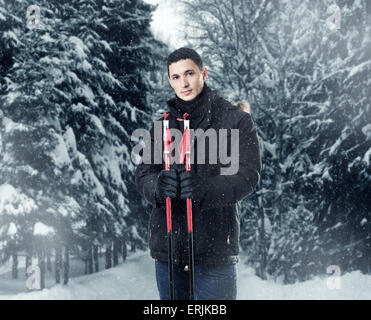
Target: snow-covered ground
<point>135,279</point>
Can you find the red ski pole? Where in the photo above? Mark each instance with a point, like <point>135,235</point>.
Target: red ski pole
<point>167,145</point>
<point>189,212</point>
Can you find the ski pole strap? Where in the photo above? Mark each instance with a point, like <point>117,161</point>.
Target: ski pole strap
<point>184,146</point>
<point>184,117</point>
<point>167,142</point>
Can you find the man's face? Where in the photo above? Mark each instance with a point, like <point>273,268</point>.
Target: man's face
<point>186,79</point>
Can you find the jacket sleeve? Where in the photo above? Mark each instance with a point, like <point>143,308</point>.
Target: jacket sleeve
<point>226,190</point>
<point>146,175</point>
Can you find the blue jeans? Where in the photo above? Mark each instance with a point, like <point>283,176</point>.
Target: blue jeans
<point>212,282</point>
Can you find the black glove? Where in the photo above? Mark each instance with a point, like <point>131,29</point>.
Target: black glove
<point>187,184</point>
<point>168,185</point>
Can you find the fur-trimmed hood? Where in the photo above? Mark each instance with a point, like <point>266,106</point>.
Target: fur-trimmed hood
<point>244,106</point>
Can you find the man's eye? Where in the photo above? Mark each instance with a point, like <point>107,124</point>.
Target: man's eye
<point>190,73</point>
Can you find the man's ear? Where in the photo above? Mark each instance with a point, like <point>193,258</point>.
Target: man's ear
<point>204,74</point>
<point>168,78</point>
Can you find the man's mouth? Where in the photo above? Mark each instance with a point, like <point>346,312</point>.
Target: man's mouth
<point>187,92</point>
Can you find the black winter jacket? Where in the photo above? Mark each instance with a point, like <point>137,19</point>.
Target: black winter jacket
<point>216,207</point>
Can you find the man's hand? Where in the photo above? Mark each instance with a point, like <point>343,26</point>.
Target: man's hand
<point>168,185</point>
<point>187,184</point>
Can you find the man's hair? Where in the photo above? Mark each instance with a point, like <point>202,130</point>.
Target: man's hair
<point>184,53</point>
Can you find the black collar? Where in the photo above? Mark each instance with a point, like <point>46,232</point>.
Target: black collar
<point>199,109</point>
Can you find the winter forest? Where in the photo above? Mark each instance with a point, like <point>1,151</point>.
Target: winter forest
<point>80,77</point>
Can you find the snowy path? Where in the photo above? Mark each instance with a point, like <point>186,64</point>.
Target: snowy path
<point>353,286</point>
<point>132,280</point>
<point>136,280</point>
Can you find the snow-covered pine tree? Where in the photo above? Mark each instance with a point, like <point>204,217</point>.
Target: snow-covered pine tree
<point>339,177</point>
<point>289,51</point>
<point>73,96</point>
<point>322,111</point>
<point>135,59</point>
<point>31,155</point>
<point>297,76</point>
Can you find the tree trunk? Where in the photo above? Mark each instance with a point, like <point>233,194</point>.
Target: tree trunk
<point>41,258</point>
<point>86,266</point>
<point>58,264</point>
<point>132,248</point>
<point>108,256</point>
<point>124,251</point>
<point>66,266</point>
<point>116,248</point>
<point>90,260</point>
<point>263,253</point>
<point>48,262</point>
<point>96,258</point>
<point>27,264</point>
<point>15,266</point>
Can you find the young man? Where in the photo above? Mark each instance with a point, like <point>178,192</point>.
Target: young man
<point>215,196</point>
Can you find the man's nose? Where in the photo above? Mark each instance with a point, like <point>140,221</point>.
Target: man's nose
<point>184,82</point>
